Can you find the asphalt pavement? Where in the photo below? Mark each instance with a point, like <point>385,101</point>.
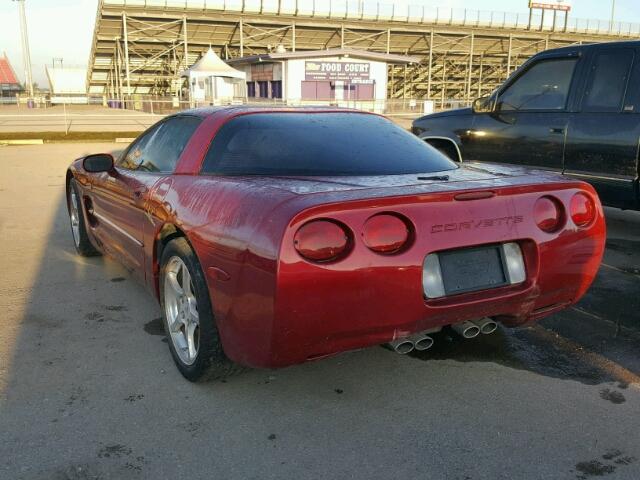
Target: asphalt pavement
<point>88,389</point>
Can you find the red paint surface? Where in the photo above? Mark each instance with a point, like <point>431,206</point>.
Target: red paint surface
<point>274,308</point>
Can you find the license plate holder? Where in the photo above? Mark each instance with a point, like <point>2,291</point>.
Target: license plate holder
<point>472,269</point>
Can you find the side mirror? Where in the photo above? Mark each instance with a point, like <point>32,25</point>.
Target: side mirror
<point>100,162</point>
<point>484,104</point>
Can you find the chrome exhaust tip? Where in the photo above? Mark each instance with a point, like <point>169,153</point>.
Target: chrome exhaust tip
<point>422,342</point>
<point>402,345</point>
<point>466,329</point>
<point>486,325</point>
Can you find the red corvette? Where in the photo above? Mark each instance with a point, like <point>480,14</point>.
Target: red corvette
<point>276,236</point>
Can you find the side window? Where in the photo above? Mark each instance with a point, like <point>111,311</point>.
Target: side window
<point>133,157</point>
<point>160,148</point>
<point>632,102</point>
<point>162,151</point>
<point>607,81</point>
<point>544,86</point>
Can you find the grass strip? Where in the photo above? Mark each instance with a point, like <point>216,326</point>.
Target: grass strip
<point>50,137</point>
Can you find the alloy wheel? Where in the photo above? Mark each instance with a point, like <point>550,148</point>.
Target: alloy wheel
<point>181,310</point>
<point>75,217</point>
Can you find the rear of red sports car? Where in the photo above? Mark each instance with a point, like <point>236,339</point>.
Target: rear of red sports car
<point>374,270</point>
<point>370,247</point>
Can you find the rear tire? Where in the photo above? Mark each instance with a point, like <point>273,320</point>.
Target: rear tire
<point>187,316</point>
<point>78,222</point>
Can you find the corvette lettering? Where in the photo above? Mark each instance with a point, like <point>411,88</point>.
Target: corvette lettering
<point>477,224</point>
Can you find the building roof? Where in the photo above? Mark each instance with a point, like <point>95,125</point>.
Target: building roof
<point>7,75</point>
<point>332,52</point>
<point>212,65</point>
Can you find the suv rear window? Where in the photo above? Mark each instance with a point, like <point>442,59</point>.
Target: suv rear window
<point>318,144</point>
<point>608,81</point>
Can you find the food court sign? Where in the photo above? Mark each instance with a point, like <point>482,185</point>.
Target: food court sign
<point>354,72</point>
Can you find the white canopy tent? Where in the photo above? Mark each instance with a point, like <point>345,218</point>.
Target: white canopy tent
<point>211,80</point>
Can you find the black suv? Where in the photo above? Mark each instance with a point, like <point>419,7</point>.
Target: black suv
<point>574,109</point>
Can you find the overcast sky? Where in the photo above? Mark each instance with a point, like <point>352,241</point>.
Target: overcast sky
<point>64,28</point>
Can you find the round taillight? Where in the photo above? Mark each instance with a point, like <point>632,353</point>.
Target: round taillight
<point>582,209</point>
<point>385,233</point>
<point>548,214</point>
<point>321,240</point>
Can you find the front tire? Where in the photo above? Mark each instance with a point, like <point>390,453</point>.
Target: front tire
<point>78,226</point>
<point>188,316</point>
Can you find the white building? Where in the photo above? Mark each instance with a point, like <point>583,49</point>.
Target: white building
<point>67,84</point>
<point>343,77</point>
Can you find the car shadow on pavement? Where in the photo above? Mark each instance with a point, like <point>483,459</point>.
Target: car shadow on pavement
<point>526,348</point>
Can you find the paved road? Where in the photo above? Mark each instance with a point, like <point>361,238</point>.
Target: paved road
<point>88,389</point>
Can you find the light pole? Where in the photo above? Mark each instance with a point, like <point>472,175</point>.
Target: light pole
<point>26,54</point>
<point>613,14</point>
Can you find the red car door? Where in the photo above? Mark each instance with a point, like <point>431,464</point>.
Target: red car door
<point>118,205</point>
<point>121,200</point>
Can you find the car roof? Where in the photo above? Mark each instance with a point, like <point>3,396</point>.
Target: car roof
<point>234,110</point>
<point>588,46</point>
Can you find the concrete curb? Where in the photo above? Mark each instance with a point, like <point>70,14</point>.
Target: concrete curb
<point>28,141</point>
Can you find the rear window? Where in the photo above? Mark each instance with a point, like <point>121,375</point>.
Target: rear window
<point>317,144</point>
<point>608,81</point>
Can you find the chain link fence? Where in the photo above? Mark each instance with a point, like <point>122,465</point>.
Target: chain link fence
<point>100,114</point>
<point>389,107</point>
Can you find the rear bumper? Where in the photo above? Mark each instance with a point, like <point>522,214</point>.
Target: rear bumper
<point>367,299</point>
<point>326,315</point>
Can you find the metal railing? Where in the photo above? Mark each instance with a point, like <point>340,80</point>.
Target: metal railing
<point>381,11</point>
<point>11,100</point>
<point>166,104</point>
<point>388,107</point>
<point>100,114</point>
